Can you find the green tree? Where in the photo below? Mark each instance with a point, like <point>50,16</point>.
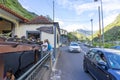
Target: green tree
<point>72,37</point>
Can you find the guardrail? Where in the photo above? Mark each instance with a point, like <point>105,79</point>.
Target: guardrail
<point>32,72</point>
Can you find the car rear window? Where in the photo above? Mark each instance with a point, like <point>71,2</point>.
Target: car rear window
<point>73,44</point>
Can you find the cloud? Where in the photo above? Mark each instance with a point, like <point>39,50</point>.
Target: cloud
<point>73,27</point>
<point>109,6</point>
<point>61,23</point>
<point>110,18</point>
<point>84,7</point>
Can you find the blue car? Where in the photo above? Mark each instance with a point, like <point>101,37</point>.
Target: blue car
<point>116,47</point>
<point>102,64</point>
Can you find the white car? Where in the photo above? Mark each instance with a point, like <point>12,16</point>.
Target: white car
<point>74,47</point>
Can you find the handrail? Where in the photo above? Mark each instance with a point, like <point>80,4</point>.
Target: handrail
<point>40,62</point>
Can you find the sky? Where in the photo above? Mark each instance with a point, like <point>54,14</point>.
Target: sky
<point>75,14</point>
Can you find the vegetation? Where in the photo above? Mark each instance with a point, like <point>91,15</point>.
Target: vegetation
<point>75,36</point>
<point>15,6</point>
<point>111,34</point>
<point>72,37</point>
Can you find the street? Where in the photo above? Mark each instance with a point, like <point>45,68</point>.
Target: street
<point>70,65</point>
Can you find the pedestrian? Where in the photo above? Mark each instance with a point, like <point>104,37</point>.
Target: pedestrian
<point>50,49</point>
<point>24,39</point>
<point>45,45</point>
<point>9,75</point>
<point>49,46</point>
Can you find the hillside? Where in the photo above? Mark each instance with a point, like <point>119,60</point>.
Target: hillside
<point>111,31</point>
<point>79,35</point>
<point>16,7</point>
<point>84,32</point>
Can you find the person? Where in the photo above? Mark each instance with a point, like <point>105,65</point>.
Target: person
<point>9,75</point>
<point>32,39</point>
<point>45,45</point>
<point>50,49</point>
<point>103,57</point>
<point>16,39</point>
<point>49,46</point>
<point>24,40</point>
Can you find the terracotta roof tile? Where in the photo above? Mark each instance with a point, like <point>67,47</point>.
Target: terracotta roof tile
<point>39,19</point>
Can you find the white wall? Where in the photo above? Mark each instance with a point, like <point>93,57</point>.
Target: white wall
<point>29,27</point>
<point>32,27</point>
<point>50,37</point>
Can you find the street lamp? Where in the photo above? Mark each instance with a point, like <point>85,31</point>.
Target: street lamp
<point>92,29</point>
<point>102,20</point>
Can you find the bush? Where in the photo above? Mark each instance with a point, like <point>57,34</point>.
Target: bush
<point>106,45</point>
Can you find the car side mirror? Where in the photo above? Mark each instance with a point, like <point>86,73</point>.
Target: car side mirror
<point>103,65</point>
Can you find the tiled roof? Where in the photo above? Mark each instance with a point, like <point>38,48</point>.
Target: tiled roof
<point>39,20</point>
<point>13,13</point>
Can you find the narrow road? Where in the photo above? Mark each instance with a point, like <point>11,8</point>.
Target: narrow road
<point>71,65</point>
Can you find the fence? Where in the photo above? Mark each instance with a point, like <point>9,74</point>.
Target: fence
<point>34,70</point>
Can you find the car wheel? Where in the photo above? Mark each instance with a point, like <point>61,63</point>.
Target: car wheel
<point>85,68</point>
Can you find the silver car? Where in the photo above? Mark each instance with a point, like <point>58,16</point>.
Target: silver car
<point>74,47</point>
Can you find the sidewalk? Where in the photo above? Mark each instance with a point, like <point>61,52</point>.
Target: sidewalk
<point>47,73</point>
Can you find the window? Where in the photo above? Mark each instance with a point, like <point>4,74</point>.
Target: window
<point>90,54</point>
<point>35,34</point>
<point>99,57</point>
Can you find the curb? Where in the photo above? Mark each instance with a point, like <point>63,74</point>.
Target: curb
<point>55,63</point>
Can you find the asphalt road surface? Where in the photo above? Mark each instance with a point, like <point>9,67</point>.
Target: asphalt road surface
<point>71,65</point>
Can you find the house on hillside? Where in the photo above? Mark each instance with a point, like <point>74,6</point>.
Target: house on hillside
<point>41,27</point>
<point>63,32</point>
<point>9,21</point>
<point>15,24</point>
<point>63,37</point>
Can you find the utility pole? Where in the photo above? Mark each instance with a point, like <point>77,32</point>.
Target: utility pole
<point>54,26</point>
<point>99,35</point>
<point>102,23</point>
<point>53,10</point>
<point>102,20</point>
<point>92,29</point>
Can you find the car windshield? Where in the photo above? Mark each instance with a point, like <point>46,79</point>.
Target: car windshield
<point>74,45</point>
<point>116,47</point>
<point>114,60</point>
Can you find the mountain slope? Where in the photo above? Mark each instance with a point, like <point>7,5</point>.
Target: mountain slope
<point>84,32</point>
<point>15,6</point>
<point>111,31</point>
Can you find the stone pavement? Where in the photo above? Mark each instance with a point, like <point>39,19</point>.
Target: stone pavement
<point>48,72</point>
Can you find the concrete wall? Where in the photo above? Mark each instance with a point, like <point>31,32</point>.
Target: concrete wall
<point>48,36</point>
<point>32,27</point>
<point>29,27</point>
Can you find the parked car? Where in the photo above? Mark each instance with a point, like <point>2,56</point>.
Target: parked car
<point>102,64</point>
<point>116,47</point>
<point>74,47</point>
